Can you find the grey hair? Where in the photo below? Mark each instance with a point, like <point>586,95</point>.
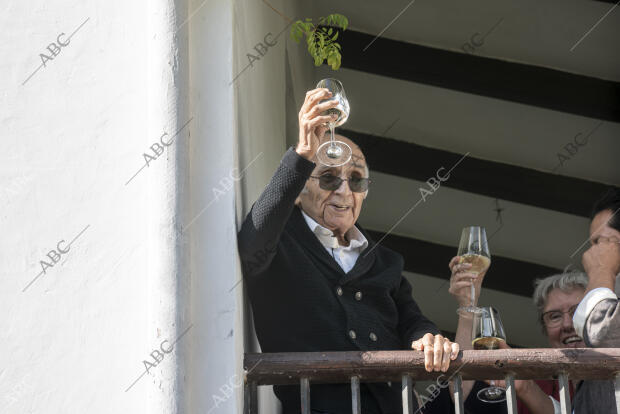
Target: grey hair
<point>563,281</point>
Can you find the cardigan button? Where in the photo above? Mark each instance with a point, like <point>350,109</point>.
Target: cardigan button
<point>358,295</point>
<point>373,337</point>
<point>352,334</point>
<point>339,291</point>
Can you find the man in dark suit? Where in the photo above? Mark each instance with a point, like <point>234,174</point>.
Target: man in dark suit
<point>317,282</point>
<point>597,318</point>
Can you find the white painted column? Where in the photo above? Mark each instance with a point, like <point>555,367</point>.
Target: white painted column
<point>167,277</point>
<point>211,228</point>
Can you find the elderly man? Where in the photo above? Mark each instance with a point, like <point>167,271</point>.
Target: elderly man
<point>597,318</point>
<point>317,282</point>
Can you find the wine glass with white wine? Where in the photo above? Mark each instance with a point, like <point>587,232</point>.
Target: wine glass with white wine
<point>334,153</point>
<point>488,333</point>
<point>474,249</point>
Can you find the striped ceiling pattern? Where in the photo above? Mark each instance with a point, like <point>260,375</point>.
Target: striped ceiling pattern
<point>514,101</point>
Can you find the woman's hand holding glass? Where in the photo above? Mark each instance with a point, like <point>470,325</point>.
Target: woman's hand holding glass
<point>461,281</point>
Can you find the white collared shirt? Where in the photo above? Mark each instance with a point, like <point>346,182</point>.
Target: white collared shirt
<point>345,256</point>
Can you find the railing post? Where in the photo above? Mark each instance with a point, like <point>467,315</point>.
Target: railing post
<point>250,401</point>
<point>617,386</point>
<point>407,393</point>
<point>458,395</point>
<point>305,396</point>
<point>564,393</point>
<point>356,401</point>
<point>511,394</point>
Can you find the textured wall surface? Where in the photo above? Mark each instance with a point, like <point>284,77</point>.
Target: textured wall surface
<point>135,136</point>
<point>90,262</point>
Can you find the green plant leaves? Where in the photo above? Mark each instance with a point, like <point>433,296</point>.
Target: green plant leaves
<point>338,20</point>
<point>297,31</point>
<point>321,41</point>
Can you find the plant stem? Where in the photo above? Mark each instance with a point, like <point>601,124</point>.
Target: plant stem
<point>277,11</point>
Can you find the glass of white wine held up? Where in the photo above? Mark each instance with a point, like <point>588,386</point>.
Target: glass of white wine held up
<point>488,333</point>
<point>335,153</point>
<point>474,249</point>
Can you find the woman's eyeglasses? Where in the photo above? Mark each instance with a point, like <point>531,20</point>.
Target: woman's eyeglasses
<point>555,317</point>
<point>332,182</point>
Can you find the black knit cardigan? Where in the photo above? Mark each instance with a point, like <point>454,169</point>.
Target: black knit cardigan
<point>303,301</point>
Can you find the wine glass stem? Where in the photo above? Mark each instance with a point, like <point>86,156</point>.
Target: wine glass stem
<point>331,130</point>
<point>473,294</point>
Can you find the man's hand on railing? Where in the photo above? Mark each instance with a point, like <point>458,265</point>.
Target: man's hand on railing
<point>438,351</point>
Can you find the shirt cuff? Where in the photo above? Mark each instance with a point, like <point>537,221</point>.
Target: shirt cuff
<point>593,298</point>
<point>557,409</point>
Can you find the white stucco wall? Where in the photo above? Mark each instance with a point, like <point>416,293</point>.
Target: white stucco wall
<point>75,336</point>
<point>153,256</point>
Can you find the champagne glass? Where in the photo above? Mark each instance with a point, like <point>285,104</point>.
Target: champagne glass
<point>474,249</point>
<point>487,333</point>
<point>335,153</point>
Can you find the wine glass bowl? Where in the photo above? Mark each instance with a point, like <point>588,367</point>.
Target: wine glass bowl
<point>341,110</point>
<point>335,153</point>
<point>474,249</point>
<point>487,333</point>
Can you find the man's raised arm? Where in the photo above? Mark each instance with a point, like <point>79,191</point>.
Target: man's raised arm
<point>263,226</point>
<point>597,319</point>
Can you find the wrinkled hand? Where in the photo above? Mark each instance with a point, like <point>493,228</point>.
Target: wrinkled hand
<point>438,351</point>
<point>312,125</point>
<point>461,280</point>
<point>602,260</point>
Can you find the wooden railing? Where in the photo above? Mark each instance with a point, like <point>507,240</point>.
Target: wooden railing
<point>305,368</point>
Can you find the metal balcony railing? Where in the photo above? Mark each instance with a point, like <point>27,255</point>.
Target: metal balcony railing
<point>408,366</point>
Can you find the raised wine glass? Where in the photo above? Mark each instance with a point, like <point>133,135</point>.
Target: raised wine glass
<point>474,249</point>
<point>487,333</point>
<point>335,153</point>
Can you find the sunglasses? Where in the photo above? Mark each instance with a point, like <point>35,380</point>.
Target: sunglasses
<point>332,182</point>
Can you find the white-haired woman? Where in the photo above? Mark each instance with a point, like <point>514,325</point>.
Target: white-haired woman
<point>556,298</point>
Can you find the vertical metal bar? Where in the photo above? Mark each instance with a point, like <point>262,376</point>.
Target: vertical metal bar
<point>407,392</point>
<point>458,395</point>
<point>617,384</point>
<point>356,402</point>
<point>564,393</point>
<point>511,394</point>
<point>305,396</point>
<point>250,393</point>
<point>246,398</point>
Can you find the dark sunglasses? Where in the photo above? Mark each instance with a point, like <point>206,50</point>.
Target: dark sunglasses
<point>332,182</point>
